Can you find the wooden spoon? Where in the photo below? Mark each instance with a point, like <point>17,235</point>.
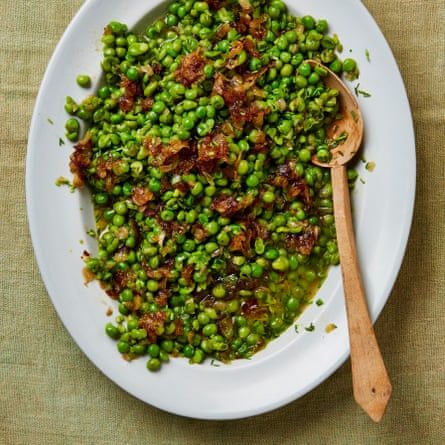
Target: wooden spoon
<point>371,385</point>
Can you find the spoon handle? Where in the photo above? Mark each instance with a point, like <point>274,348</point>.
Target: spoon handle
<point>371,385</point>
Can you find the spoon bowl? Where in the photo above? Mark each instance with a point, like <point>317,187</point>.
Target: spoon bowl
<point>351,122</point>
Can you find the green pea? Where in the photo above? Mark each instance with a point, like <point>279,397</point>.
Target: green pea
<point>243,332</point>
<point>286,57</point>
<point>217,102</point>
<point>188,351</point>
<point>138,48</point>
<point>322,26</point>
<point>118,220</point>
<point>153,350</point>
<point>154,185</point>
<point>191,216</point>
<point>219,291</point>
<point>255,64</point>
<point>83,80</point>
<point>111,330</point>
<point>323,155</point>
<point>300,81</point>
<point>209,329</point>
<point>201,112</point>
<point>197,189</point>
<point>171,20</point>
<point>257,270</point>
<point>349,65</point>
<point>132,73</point>
<point>210,190</point>
<point>152,285</point>
<point>167,215</point>
<point>243,167</point>
<point>310,276</point>
<point>203,318</point>
<point>252,339</point>
<point>154,364</point>
<point>188,123</point>
<point>308,22</point>
<point>72,126</point>
<point>120,208</point>
<point>305,69</point>
<point>252,181</point>
<point>209,71</point>
<point>304,155</point>
<point>198,356</point>
<point>212,227</point>
<point>281,264</point>
<point>314,78</point>
<point>336,66</point>
<point>158,107</point>
<point>287,70</point>
<point>199,277</point>
<point>101,198</point>
<point>123,347</point>
<point>268,197</point>
<point>291,36</point>
<point>292,304</point>
<point>211,247</point>
<point>271,253</point>
<point>132,323</point>
<point>223,239</point>
<point>285,127</point>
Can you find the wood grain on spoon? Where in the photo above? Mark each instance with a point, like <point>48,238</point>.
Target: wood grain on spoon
<point>371,384</point>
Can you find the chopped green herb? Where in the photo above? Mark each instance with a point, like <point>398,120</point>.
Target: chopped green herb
<point>368,57</point>
<point>50,121</point>
<point>296,328</point>
<point>362,181</point>
<point>319,302</point>
<point>92,233</point>
<point>361,92</point>
<point>336,142</point>
<point>214,363</point>
<point>354,115</point>
<point>61,142</point>
<point>310,328</point>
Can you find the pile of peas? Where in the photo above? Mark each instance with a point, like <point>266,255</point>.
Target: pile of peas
<point>233,301</point>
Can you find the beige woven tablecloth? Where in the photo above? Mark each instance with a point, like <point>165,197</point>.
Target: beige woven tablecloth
<point>51,394</point>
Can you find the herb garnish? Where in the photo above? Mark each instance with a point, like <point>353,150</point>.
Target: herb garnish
<point>359,92</point>
<point>368,57</point>
<point>310,328</point>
